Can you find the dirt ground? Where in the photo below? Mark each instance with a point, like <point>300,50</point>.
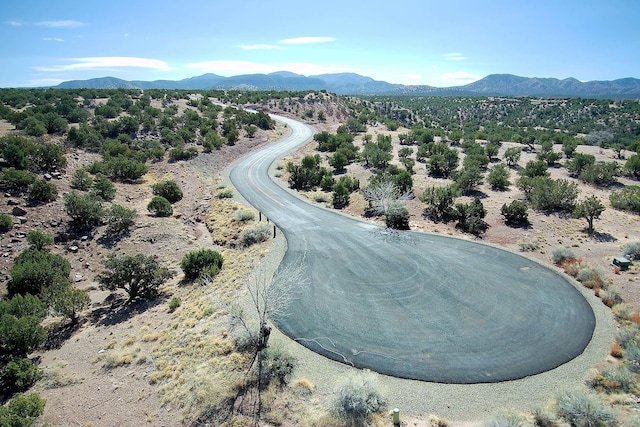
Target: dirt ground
<point>80,386</point>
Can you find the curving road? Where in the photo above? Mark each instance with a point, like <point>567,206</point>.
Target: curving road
<point>423,307</point>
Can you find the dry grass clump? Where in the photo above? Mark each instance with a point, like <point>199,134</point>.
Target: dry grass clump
<point>56,377</point>
<point>222,223</point>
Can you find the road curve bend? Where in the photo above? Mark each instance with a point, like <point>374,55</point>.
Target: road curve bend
<point>422,307</point>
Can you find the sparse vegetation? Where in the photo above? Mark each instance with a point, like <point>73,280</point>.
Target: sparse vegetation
<point>358,398</point>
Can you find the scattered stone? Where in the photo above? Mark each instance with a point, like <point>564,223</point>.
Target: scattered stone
<point>12,202</point>
<point>78,277</point>
<point>22,219</point>
<point>47,176</point>
<point>84,238</point>
<point>56,175</point>
<point>18,211</point>
<point>53,223</point>
<point>73,248</point>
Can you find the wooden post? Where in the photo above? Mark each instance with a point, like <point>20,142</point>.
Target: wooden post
<point>274,231</point>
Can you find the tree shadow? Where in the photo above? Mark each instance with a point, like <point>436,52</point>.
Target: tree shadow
<point>58,334</point>
<point>112,240</point>
<point>603,237</point>
<point>525,225</point>
<point>121,310</point>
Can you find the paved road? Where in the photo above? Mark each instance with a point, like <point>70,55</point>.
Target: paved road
<point>423,307</point>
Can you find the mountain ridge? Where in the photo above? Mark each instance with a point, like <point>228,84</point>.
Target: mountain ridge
<point>356,84</point>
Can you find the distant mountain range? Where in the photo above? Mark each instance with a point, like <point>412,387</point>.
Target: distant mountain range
<point>355,84</point>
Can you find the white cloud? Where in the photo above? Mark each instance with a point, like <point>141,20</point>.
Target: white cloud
<point>14,23</point>
<point>307,40</point>
<point>455,56</point>
<point>107,62</point>
<point>60,24</point>
<point>41,82</point>
<point>53,39</point>
<point>232,68</point>
<point>460,78</point>
<point>260,47</point>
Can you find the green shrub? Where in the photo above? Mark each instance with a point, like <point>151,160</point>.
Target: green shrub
<point>255,234</point>
<point>20,374</point>
<point>626,199</point>
<point>580,409</point>
<point>176,154</point>
<point>19,336</point>
<point>205,261</point>
<point>139,276</point>
<point>631,251</point>
<point>119,219</point>
<point>498,177</point>
<point>397,217</point>
<point>65,300</point>
<point>17,180</point>
<point>22,411</point>
<point>225,193</point>
<point>276,367</point>
<point>546,194</point>
<point>174,304</point>
<point>80,180</point>
<point>613,380</point>
<point>562,255</point>
<point>34,270</point>
<point>6,222</point>
<point>38,240</point>
<point>167,189</point>
<point>159,206</point>
<point>42,191</point>
<point>515,212</point>
<point>358,398</point>
<point>103,187</point>
<point>245,215</point>
<point>86,211</point>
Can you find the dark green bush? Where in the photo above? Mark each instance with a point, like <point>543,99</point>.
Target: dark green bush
<point>42,191</point>
<point>20,374</point>
<point>17,180</point>
<point>627,199</point>
<point>397,217</point>
<point>205,261</point>
<point>6,222</point>
<point>81,180</point>
<point>39,240</point>
<point>276,367</point>
<point>22,411</point>
<point>34,270</point>
<point>167,189</point>
<point>515,212</point>
<point>174,304</point>
<point>86,211</point>
<point>103,187</point>
<point>119,219</point>
<point>159,206</point>
<point>139,276</point>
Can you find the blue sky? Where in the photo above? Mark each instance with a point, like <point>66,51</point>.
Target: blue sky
<point>434,42</point>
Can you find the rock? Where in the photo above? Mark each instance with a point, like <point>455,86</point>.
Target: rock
<point>12,202</point>
<point>22,219</point>
<point>56,175</point>
<point>53,223</point>
<point>18,211</point>
<point>84,238</point>
<point>47,176</point>
<point>73,248</point>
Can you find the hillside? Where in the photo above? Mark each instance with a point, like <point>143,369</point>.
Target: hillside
<point>355,84</point>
